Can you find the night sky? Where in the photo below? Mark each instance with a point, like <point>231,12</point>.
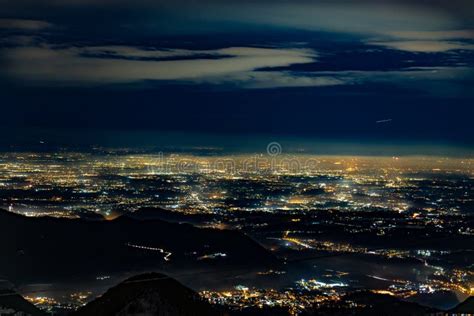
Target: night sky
<point>375,70</point>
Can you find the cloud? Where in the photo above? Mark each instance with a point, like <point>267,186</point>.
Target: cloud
<point>427,41</point>
<point>142,53</point>
<point>236,65</point>
<point>19,40</point>
<point>424,46</point>
<point>434,81</point>
<point>362,18</point>
<point>211,16</point>
<point>22,24</point>
<point>433,35</point>
<point>277,79</point>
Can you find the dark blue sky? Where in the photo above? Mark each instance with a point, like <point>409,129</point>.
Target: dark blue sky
<point>323,70</point>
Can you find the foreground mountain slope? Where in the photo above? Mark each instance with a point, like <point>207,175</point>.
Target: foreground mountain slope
<point>13,304</point>
<point>466,307</point>
<point>149,294</point>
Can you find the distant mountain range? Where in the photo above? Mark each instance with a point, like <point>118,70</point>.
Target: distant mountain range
<point>55,248</point>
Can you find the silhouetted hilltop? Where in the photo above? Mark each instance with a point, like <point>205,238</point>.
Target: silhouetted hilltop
<point>149,294</point>
<point>466,307</point>
<point>46,248</point>
<point>13,304</point>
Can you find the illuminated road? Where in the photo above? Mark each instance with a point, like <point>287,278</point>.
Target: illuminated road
<point>167,254</point>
